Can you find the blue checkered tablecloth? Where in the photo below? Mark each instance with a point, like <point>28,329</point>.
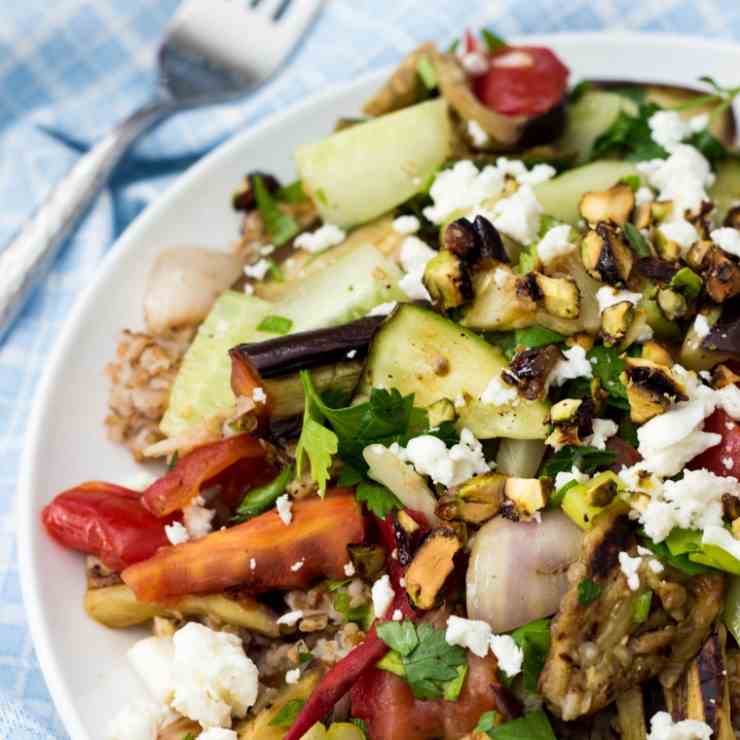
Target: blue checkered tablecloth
<point>70,68</point>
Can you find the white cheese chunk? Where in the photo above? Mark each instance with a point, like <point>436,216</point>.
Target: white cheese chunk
<point>197,518</point>
<point>328,235</point>
<point>153,660</point>
<point>477,135</point>
<point>701,326</point>
<point>680,231</point>
<point>414,257</point>
<point>630,567</point>
<point>176,533</point>
<point>574,364</point>
<point>462,187</point>
<point>668,128</point>
<point>555,243</point>
<point>406,225</point>
<point>473,634</point>
<point>291,618</point>
<point>564,477</point>
<point>139,721</point>
<point>602,430</point>
<point>293,676</point>
<point>284,506</point>
<point>508,654</point>
<point>662,727</point>
<point>606,296</point>
<point>518,216</point>
<point>214,679</point>
<point>727,239</point>
<point>218,733</point>
<point>499,393</point>
<point>382,595</point>
<point>644,195</point>
<point>258,270</point>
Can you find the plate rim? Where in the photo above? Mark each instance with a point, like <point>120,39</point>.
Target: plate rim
<point>27,526</point>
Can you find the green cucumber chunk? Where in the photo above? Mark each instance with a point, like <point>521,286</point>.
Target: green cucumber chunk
<point>347,289</point>
<point>364,171</point>
<point>418,351</point>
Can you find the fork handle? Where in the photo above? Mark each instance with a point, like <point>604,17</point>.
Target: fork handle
<point>27,257</point>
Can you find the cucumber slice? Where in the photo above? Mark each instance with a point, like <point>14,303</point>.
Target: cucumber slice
<point>590,117</point>
<point>418,351</point>
<point>202,386</point>
<point>726,189</point>
<point>346,289</point>
<point>359,173</point>
<point>560,196</point>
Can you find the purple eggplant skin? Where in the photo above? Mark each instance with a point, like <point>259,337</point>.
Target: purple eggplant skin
<point>724,336</point>
<point>546,127</point>
<point>305,350</point>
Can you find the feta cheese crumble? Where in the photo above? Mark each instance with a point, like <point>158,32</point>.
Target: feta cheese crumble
<point>462,187</point>
<point>701,326</point>
<point>429,456</point>
<point>474,63</point>
<point>153,660</point>
<point>214,679</point>
<point>630,567</point>
<point>298,565</point>
<point>473,634</point>
<point>607,297</point>
<point>291,618</point>
<point>727,239</point>
<point>680,231</point>
<point>644,195</point>
<point>518,170</point>
<point>564,477</point>
<point>518,216</point>
<point>602,430</point>
<point>328,235</point>
<point>406,225</point>
<point>259,395</point>
<point>198,518</point>
<point>267,249</point>
<point>284,506</point>
<point>499,393</point>
<point>555,243</point>
<point>397,615</point>
<point>176,533</point>
<point>668,128</point>
<point>574,364</point>
<point>508,654</point>
<point>477,135</point>
<point>258,270</point>
<point>218,733</point>
<point>349,570</point>
<point>662,727</point>
<point>382,595</point>
<point>293,676</point>
<point>414,257</point>
<point>138,721</point>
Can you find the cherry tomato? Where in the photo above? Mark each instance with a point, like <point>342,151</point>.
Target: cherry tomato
<point>724,458</point>
<point>105,520</point>
<point>522,80</point>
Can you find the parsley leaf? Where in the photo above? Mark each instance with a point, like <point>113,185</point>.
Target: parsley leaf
<point>487,722</point>
<point>586,459</point>
<point>607,366</point>
<point>630,137</point>
<point>260,499</point>
<point>316,441</point>
<point>633,181</point>
<point>493,42</point>
<point>275,324</point>
<point>636,240</point>
<point>532,726</point>
<point>280,226</point>
<point>537,336</point>
<point>534,640</point>
<point>588,591</point>
<point>362,614</point>
<point>293,193</point>
<point>432,668</point>
<point>288,713</point>
<point>379,500</point>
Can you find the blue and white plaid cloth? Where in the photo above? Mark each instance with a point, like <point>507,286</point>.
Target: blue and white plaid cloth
<point>70,68</point>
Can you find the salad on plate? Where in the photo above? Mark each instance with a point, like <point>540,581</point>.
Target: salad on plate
<point>451,433</point>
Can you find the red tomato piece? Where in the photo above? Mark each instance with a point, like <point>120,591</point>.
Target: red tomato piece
<point>183,483</point>
<point>523,81</point>
<point>105,520</point>
<point>724,458</point>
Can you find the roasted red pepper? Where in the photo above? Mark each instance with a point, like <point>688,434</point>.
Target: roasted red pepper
<point>105,520</point>
<point>183,483</point>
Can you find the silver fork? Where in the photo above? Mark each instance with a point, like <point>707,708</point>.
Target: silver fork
<point>213,51</point>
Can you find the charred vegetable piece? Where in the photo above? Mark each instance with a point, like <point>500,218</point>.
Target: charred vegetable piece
<point>598,650</point>
<point>656,353</point>
<point>244,200</point>
<point>606,255</point>
<point>447,279</point>
<point>431,565</point>
<point>474,241</point>
<point>631,715</point>
<point>107,521</point>
<point>614,204</point>
<point>313,546</point>
<point>529,370</point>
<point>182,484</point>
<point>672,304</point>
<point>651,389</point>
<point>704,688</point>
<point>118,607</point>
<point>304,350</point>
<point>560,295</point>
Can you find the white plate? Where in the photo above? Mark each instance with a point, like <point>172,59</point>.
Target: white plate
<point>84,663</point>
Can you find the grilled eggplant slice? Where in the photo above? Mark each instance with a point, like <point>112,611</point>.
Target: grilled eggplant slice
<point>598,650</point>
<point>631,715</point>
